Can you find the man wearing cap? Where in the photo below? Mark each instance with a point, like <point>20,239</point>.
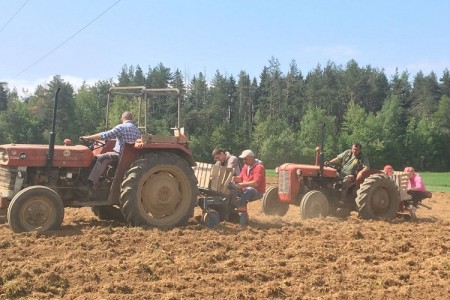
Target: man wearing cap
<point>252,180</point>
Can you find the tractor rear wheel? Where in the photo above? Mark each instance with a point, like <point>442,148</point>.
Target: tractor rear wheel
<point>271,203</point>
<point>314,204</point>
<point>378,198</point>
<point>35,208</point>
<point>108,213</point>
<point>159,190</point>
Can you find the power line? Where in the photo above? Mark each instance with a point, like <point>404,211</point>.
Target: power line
<point>65,41</point>
<point>17,12</point>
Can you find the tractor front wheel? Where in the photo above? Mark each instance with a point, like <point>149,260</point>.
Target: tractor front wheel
<point>314,204</point>
<point>159,190</point>
<point>35,208</point>
<point>271,203</point>
<point>378,198</point>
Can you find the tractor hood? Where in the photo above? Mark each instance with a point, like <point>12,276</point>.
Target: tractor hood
<point>308,170</point>
<point>36,155</point>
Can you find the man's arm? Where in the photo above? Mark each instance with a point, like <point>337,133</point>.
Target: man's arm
<point>361,173</point>
<point>233,162</point>
<point>366,167</point>
<point>258,174</point>
<point>112,133</point>
<point>238,179</point>
<point>338,159</point>
<point>335,160</point>
<point>94,137</point>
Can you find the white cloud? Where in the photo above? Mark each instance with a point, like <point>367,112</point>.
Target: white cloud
<point>27,87</point>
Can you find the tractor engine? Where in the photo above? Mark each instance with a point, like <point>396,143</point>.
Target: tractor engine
<point>61,177</point>
<point>24,165</point>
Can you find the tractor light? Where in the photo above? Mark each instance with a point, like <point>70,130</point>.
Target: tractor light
<point>276,170</point>
<point>69,175</point>
<point>298,172</point>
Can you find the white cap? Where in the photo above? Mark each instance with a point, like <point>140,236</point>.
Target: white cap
<point>246,153</point>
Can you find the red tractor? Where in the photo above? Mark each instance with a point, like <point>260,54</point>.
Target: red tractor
<point>319,191</point>
<point>152,184</point>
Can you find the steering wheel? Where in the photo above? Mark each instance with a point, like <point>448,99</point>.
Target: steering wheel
<point>92,144</point>
<point>331,165</point>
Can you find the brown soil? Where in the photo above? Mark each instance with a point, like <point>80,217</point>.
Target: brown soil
<point>284,258</point>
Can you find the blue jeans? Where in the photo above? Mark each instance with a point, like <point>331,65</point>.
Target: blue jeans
<point>249,194</point>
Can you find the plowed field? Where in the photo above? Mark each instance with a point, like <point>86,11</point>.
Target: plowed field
<point>272,258</point>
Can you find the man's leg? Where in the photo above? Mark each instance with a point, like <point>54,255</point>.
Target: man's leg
<point>249,194</point>
<point>347,182</point>
<point>100,165</point>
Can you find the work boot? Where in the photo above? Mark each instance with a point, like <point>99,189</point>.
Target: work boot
<point>86,190</point>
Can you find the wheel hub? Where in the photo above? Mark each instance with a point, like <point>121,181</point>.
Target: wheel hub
<point>36,213</point>
<point>161,194</point>
<point>380,201</point>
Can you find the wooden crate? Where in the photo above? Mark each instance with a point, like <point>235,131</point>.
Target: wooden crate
<point>212,177</point>
<point>401,180</point>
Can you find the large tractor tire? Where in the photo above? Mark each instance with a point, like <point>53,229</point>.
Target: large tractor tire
<point>378,198</point>
<point>35,208</point>
<point>271,203</point>
<point>108,213</point>
<point>159,190</point>
<point>314,204</point>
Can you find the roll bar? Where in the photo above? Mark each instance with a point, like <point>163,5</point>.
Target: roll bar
<point>140,91</point>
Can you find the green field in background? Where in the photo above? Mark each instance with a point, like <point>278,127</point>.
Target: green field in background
<point>436,182</point>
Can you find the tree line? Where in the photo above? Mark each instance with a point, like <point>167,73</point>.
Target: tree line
<point>402,120</point>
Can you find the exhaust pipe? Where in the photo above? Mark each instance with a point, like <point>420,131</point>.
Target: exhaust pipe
<point>51,146</point>
<point>321,154</point>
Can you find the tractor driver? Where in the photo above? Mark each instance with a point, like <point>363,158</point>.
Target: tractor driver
<point>125,132</point>
<point>353,163</point>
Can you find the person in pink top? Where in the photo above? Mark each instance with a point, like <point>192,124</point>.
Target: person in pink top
<point>416,187</point>
<point>252,180</point>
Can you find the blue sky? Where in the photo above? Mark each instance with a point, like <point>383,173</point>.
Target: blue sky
<point>204,36</point>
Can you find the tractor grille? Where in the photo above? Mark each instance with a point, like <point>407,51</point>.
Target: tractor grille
<point>7,180</point>
<point>283,182</point>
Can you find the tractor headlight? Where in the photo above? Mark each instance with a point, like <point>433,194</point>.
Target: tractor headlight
<point>276,170</point>
<point>298,172</point>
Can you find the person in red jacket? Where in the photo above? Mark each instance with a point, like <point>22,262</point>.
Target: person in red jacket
<point>252,180</point>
